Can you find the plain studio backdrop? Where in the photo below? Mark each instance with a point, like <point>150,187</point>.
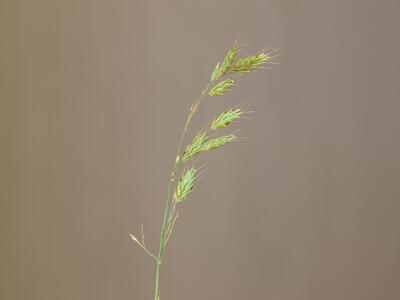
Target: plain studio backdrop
<point>94,95</point>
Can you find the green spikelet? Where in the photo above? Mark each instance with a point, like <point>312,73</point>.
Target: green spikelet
<point>185,185</point>
<point>195,146</point>
<point>229,59</point>
<point>250,63</point>
<point>226,118</point>
<point>221,70</point>
<point>221,87</point>
<point>218,142</point>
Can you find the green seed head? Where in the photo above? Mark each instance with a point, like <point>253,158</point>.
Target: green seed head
<point>250,63</point>
<point>195,146</point>
<point>229,59</point>
<point>221,70</point>
<point>218,142</point>
<point>185,185</point>
<point>221,87</point>
<point>226,118</point>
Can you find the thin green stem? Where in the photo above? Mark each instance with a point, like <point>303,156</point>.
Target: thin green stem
<point>178,163</point>
<point>160,251</point>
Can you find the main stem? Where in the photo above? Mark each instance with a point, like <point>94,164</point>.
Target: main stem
<point>177,164</point>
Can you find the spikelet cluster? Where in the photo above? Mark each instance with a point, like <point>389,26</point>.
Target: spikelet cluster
<point>232,64</point>
<point>239,65</point>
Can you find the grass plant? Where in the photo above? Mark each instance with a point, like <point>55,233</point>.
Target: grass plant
<point>222,79</point>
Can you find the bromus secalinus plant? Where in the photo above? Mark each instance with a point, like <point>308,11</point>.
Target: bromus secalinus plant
<point>185,173</point>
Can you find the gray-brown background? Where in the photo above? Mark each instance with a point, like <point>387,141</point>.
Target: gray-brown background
<point>93,96</point>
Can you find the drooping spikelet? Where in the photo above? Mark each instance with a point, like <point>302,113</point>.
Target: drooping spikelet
<point>221,70</point>
<point>250,63</point>
<point>195,146</point>
<point>218,142</point>
<point>220,88</point>
<point>185,185</point>
<point>202,143</point>
<point>226,118</point>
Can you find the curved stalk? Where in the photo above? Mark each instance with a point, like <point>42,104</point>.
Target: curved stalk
<point>178,163</point>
